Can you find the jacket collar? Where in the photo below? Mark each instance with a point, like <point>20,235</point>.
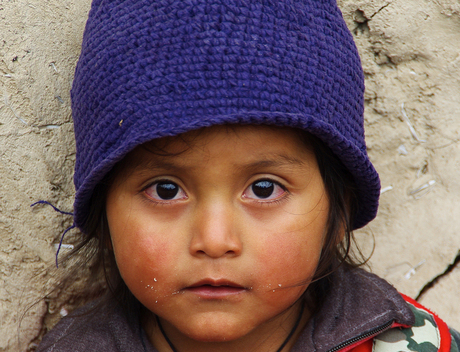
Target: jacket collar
<point>357,304</point>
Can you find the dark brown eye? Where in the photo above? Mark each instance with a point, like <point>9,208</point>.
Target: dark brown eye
<point>165,190</point>
<point>263,189</point>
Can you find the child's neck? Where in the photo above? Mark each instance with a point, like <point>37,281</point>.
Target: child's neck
<point>265,338</point>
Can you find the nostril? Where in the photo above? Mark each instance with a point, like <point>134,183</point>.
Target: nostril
<point>214,234</point>
<point>214,251</point>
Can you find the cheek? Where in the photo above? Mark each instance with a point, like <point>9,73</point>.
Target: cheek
<point>289,248</point>
<point>144,260</point>
<point>289,261</point>
<point>285,269</point>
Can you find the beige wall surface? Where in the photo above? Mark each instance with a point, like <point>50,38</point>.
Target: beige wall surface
<point>411,56</point>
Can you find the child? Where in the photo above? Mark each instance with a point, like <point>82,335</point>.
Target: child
<point>221,168</point>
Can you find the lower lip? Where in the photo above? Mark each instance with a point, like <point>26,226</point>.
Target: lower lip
<point>215,292</point>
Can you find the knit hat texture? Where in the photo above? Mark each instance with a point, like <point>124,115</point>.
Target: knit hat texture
<point>150,69</point>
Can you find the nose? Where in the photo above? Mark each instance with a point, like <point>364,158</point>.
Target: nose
<point>214,232</point>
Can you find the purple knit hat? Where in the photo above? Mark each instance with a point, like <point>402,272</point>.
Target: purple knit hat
<point>150,69</point>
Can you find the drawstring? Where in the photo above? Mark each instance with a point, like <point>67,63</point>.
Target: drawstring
<point>67,230</point>
<point>51,205</point>
<point>60,242</point>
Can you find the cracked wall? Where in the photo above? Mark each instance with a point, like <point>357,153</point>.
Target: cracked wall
<point>412,68</point>
<point>412,65</point>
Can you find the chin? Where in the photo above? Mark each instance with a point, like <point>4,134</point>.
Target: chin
<point>215,337</point>
<point>216,332</point>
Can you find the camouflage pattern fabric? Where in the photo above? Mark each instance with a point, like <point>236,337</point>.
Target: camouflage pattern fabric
<point>423,336</point>
<point>455,346</point>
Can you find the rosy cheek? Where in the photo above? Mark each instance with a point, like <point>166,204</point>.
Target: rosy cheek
<point>142,259</point>
<point>288,259</point>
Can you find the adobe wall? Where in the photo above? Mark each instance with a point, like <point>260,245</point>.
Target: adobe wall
<point>411,58</point>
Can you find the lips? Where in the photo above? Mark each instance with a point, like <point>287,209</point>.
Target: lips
<point>215,289</point>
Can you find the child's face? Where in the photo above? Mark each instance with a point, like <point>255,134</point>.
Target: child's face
<point>221,237</point>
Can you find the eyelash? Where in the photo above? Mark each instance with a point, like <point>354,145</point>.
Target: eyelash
<point>276,200</point>
<point>160,200</point>
<point>284,196</point>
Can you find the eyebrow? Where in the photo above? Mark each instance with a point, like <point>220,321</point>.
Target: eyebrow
<point>274,160</point>
<point>265,161</point>
<point>160,164</point>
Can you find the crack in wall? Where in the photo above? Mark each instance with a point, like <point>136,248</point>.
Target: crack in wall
<point>380,9</point>
<point>437,278</point>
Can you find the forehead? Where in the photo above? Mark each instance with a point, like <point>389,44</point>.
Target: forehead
<point>247,143</point>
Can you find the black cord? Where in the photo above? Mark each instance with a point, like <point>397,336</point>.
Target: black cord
<point>296,325</point>
<point>166,337</point>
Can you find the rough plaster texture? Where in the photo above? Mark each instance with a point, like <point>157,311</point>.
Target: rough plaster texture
<point>412,65</point>
<point>411,58</point>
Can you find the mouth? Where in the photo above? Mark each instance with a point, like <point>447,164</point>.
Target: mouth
<point>215,289</point>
